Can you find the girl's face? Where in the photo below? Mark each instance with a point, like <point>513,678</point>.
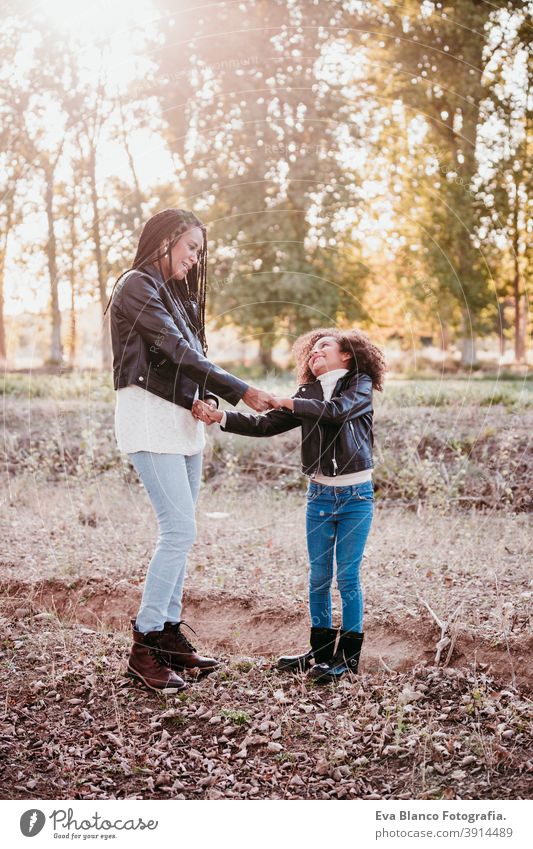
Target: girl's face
<point>184,253</point>
<point>326,355</point>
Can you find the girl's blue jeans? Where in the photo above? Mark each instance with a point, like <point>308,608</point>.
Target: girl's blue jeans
<point>338,524</point>
<point>172,482</point>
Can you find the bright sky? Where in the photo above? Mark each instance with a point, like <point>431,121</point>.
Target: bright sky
<point>110,35</point>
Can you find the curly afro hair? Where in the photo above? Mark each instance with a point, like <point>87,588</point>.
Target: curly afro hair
<point>366,357</point>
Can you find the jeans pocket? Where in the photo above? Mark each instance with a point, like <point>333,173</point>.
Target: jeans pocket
<point>312,495</point>
<point>364,491</point>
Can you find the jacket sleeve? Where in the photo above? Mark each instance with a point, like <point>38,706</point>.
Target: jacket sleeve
<point>208,396</point>
<point>140,304</point>
<point>267,424</point>
<point>352,403</point>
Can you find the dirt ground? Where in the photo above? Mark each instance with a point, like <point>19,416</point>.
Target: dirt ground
<point>407,726</point>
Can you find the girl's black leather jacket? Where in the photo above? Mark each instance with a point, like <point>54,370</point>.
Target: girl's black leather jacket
<point>156,345</point>
<point>337,437</point>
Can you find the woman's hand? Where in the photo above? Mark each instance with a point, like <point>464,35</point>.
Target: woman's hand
<point>259,400</point>
<point>287,403</point>
<point>206,411</point>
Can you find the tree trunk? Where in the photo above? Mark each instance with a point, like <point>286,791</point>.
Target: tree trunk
<point>107,360</point>
<point>501,327</point>
<point>522,331</point>
<point>265,353</point>
<point>519,347</point>
<point>444,337</point>
<point>137,193</point>
<point>8,221</point>
<point>100,267</point>
<point>518,352</point>
<point>3,351</point>
<point>56,351</point>
<point>72,342</point>
<point>468,343</point>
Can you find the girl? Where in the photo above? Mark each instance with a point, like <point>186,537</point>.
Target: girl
<point>333,406</point>
<point>160,373</point>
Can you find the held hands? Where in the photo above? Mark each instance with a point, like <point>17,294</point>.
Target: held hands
<point>287,403</point>
<point>206,411</point>
<point>261,401</point>
<point>257,399</point>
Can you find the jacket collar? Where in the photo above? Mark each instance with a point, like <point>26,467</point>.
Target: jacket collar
<point>153,272</point>
<point>345,377</point>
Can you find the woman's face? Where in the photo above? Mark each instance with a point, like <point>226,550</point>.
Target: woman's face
<point>326,355</point>
<point>184,253</point>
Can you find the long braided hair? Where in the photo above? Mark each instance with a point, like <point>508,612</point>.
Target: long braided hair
<point>158,237</point>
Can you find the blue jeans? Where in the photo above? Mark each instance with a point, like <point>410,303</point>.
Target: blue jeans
<point>172,482</point>
<point>338,523</point>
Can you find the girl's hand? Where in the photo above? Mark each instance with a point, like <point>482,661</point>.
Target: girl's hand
<point>214,415</point>
<point>287,403</point>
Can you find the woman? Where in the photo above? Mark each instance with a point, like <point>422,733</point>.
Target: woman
<point>333,407</point>
<point>161,374</point>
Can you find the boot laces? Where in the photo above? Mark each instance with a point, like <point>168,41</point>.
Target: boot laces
<point>156,653</point>
<point>158,657</point>
<point>182,636</point>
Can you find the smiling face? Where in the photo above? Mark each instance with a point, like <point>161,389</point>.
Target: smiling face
<point>184,254</point>
<point>326,355</point>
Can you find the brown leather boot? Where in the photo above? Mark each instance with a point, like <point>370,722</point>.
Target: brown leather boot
<point>146,663</point>
<point>179,654</point>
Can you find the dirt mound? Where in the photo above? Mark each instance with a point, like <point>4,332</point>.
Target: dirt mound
<point>254,626</point>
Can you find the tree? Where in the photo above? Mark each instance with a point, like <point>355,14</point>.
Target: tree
<point>46,125</point>
<point>258,149</point>
<point>13,103</point>
<point>435,58</point>
<point>507,189</point>
<point>39,155</point>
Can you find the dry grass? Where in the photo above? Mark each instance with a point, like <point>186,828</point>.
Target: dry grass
<point>439,708</point>
<point>451,455</point>
<point>104,528</point>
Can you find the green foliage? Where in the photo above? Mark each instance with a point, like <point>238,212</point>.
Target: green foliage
<point>238,717</point>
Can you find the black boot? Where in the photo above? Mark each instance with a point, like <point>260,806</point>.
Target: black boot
<point>322,650</point>
<point>346,659</point>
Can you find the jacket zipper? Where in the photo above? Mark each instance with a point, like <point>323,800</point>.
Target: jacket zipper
<point>335,467</point>
<point>319,449</point>
<point>353,435</point>
<point>334,461</point>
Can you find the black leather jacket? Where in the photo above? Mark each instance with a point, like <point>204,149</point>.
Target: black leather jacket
<point>156,346</point>
<point>337,435</point>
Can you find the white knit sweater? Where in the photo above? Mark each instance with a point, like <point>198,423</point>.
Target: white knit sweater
<point>146,422</point>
